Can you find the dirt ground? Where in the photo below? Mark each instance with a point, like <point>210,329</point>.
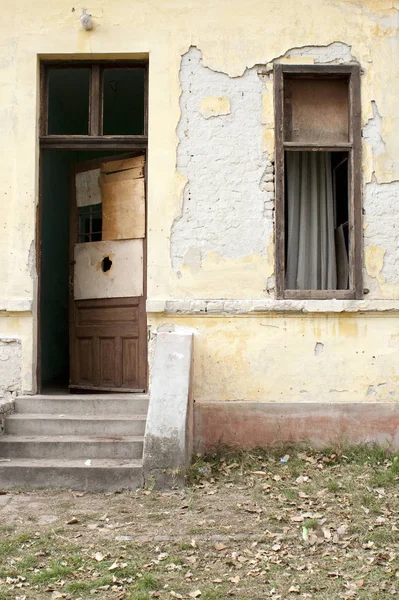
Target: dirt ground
<point>281,525</point>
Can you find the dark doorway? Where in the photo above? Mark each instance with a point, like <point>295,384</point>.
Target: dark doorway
<point>90,112</point>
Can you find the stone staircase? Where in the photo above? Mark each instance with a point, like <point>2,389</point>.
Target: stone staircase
<point>77,441</point>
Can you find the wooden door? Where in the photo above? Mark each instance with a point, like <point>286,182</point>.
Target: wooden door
<point>108,337</point>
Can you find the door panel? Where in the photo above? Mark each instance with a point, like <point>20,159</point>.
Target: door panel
<point>108,269</point>
<point>130,362</point>
<point>108,341</point>
<point>108,365</point>
<point>85,355</point>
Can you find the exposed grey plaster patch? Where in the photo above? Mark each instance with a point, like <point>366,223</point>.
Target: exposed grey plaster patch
<point>318,349</point>
<point>271,285</point>
<point>223,203</point>
<point>388,21</point>
<point>391,21</point>
<point>373,390</point>
<point>166,328</point>
<point>192,259</point>
<point>7,55</point>
<point>372,131</point>
<point>7,406</point>
<point>334,391</point>
<point>380,203</point>
<point>337,52</point>
<point>32,260</point>
<point>10,365</point>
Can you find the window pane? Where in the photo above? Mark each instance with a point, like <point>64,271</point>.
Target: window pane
<point>317,231</point>
<point>90,223</point>
<point>68,101</point>
<point>316,110</point>
<point>123,109</point>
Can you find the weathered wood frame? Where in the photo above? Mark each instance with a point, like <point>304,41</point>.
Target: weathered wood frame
<point>353,147</point>
<point>93,141</point>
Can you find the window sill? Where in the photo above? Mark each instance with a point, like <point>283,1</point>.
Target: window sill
<point>259,306</point>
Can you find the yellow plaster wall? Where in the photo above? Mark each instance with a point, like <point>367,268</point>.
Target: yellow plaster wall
<point>232,35</point>
<point>313,358</point>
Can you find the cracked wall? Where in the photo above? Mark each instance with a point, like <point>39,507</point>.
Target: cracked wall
<point>381,239</point>
<point>226,212</point>
<point>232,270</point>
<point>291,358</point>
<point>225,158</point>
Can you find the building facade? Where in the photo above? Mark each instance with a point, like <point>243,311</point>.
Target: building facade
<point>239,111</point>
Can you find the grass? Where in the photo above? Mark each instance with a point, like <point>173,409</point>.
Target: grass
<point>311,523</point>
<point>333,486</point>
<point>235,531</point>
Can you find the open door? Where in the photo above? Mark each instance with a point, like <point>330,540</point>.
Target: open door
<point>108,342</point>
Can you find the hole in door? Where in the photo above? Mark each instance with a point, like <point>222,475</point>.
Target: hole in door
<point>106,264</point>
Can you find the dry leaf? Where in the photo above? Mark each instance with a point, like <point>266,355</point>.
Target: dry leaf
<point>72,521</point>
<point>220,546</point>
<point>276,547</point>
<point>98,557</point>
<point>195,594</point>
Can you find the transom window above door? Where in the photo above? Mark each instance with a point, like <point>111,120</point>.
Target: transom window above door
<point>87,101</point>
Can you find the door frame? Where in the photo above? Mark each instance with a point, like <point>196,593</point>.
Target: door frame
<point>112,143</point>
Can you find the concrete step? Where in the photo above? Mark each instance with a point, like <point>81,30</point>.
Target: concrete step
<point>102,476</point>
<point>51,424</point>
<point>73,447</point>
<point>83,404</point>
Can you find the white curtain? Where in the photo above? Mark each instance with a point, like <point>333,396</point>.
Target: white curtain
<point>310,261</point>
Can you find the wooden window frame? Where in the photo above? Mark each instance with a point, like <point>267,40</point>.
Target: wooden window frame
<point>353,147</point>
<point>94,140</point>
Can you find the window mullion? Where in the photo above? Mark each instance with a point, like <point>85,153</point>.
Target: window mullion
<point>95,119</point>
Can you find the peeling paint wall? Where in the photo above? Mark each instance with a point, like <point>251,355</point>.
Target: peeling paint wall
<point>228,199</point>
<point>381,239</point>
<point>225,212</point>
<point>211,180</point>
